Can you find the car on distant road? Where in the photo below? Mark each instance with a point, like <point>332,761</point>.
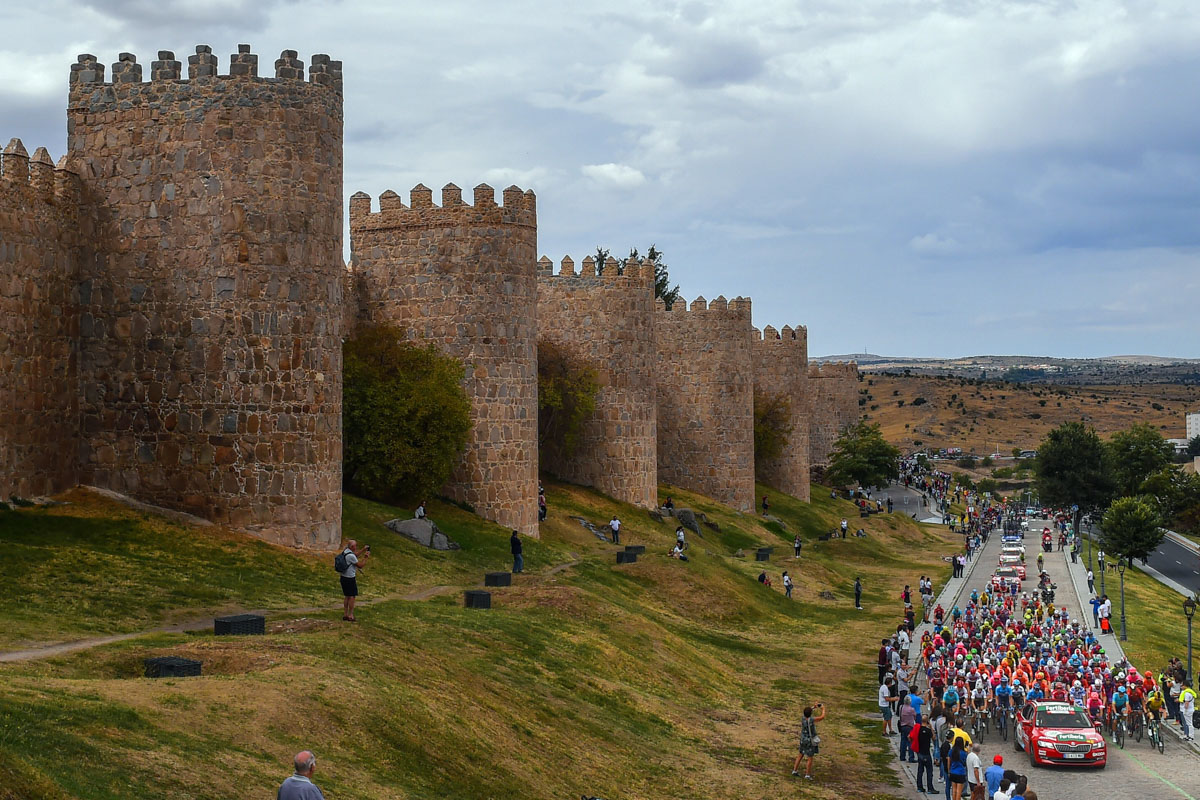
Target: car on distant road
<point>1004,577</point>
<point>1012,549</point>
<point>1058,733</point>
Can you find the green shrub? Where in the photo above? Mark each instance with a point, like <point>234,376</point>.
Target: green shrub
<point>405,416</point>
<point>966,462</point>
<point>567,390</point>
<point>772,427</point>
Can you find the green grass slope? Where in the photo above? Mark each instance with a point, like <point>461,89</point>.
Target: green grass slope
<point>654,679</point>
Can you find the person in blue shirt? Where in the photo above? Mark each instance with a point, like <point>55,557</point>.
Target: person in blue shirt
<point>993,775</point>
<point>917,702</point>
<point>950,697</point>
<point>300,786</point>
<point>1035,693</point>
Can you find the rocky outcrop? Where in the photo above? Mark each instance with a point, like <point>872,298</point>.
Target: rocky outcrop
<point>423,532</point>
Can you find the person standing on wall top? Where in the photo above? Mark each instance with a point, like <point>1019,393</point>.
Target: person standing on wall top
<point>614,525</point>
<point>300,786</point>
<point>352,563</point>
<point>518,557</point>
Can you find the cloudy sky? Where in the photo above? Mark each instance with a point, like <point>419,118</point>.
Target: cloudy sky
<point>911,177</point>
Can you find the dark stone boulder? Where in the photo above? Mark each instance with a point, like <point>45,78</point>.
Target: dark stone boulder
<point>687,518</point>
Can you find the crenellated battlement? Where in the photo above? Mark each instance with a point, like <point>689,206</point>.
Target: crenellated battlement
<point>519,208</point>
<point>785,337</point>
<point>87,73</point>
<point>24,179</point>
<point>638,273</point>
<point>737,309</point>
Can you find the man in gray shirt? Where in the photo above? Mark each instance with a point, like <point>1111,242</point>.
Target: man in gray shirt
<point>300,785</point>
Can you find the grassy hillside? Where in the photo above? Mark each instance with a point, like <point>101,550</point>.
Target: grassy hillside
<point>986,416</point>
<point>656,679</point>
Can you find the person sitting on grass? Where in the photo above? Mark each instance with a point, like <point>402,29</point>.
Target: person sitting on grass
<point>764,579</point>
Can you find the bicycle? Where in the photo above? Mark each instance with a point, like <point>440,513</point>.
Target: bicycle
<point>1154,732</point>
<point>1002,722</point>
<point>1136,726</point>
<point>1118,730</point>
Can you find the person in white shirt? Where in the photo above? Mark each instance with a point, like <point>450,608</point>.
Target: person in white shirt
<point>975,773</point>
<point>787,584</point>
<point>420,512</point>
<point>614,525</point>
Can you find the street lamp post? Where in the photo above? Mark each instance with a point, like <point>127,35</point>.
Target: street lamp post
<point>1189,608</point>
<point>1121,563</point>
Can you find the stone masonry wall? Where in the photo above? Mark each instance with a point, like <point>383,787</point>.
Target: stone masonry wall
<point>464,277</point>
<point>781,367</point>
<point>833,406</point>
<point>43,231</point>
<point>607,321</point>
<point>210,355</point>
<point>705,390</point>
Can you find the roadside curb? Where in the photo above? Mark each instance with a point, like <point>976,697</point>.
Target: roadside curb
<point>1184,542</point>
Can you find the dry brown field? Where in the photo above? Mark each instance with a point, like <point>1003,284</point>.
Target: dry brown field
<point>984,417</point>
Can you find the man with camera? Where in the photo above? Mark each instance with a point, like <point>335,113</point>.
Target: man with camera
<point>349,576</point>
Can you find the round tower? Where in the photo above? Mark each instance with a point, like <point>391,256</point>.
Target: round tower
<point>464,277</point>
<point>210,356</point>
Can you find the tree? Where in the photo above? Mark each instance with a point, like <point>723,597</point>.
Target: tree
<point>1072,468</point>
<point>1177,497</point>
<point>772,427</point>
<point>861,455</point>
<point>1131,528</point>
<point>567,389</point>
<point>602,259</point>
<point>1193,446</point>
<point>405,416</point>
<point>1136,454</point>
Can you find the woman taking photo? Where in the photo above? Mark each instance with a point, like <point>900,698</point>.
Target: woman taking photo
<point>810,741</point>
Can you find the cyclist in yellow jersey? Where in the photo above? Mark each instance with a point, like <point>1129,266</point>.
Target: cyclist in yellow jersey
<point>1154,704</point>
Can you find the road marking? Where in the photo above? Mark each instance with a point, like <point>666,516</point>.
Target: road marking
<point>1180,563</point>
<point>1149,771</point>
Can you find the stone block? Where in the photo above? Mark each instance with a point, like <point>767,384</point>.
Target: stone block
<point>422,531</point>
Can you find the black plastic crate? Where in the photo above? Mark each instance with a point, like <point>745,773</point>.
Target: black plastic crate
<point>636,549</point>
<point>239,625</point>
<point>497,579</point>
<point>171,667</point>
<point>477,598</point>
<point>625,557</point>
<point>763,554</point>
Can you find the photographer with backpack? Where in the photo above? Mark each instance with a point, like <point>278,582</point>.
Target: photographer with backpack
<point>347,564</point>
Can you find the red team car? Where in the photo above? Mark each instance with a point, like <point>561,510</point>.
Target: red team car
<point>1058,733</point>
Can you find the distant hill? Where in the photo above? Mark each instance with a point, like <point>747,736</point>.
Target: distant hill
<point>1110,370</point>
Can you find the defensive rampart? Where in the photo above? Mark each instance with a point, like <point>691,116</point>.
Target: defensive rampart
<point>833,406</point>
<point>607,321</point>
<point>705,390</point>
<point>464,277</point>
<point>44,237</point>
<point>210,334</point>
<point>781,368</point>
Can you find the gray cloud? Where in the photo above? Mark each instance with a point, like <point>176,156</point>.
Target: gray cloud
<point>850,166</point>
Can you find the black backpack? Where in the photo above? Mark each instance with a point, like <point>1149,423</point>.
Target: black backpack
<point>340,564</point>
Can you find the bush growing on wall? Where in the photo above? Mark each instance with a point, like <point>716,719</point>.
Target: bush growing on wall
<point>405,416</point>
<point>567,390</point>
<point>772,427</point>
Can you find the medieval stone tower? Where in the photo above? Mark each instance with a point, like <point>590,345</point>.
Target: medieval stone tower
<point>465,277</point>
<point>607,321</point>
<point>781,367</point>
<point>705,390</point>
<point>833,406</point>
<point>45,234</point>
<point>210,314</point>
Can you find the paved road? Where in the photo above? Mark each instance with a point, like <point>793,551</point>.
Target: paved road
<point>1136,772</point>
<point>1172,560</point>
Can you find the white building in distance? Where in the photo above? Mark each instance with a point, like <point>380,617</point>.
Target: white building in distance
<point>1193,425</point>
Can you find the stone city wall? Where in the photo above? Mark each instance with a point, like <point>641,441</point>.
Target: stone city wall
<point>465,278</point>
<point>44,236</point>
<point>705,389</point>
<point>210,335</point>
<point>781,367</point>
<point>607,321</point>
<point>833,406</point>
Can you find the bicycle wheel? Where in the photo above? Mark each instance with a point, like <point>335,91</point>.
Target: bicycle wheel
<point>1137,728</point>
<point>1159,736</point>
<point>1121,734</point>
<point>1002,726</point>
